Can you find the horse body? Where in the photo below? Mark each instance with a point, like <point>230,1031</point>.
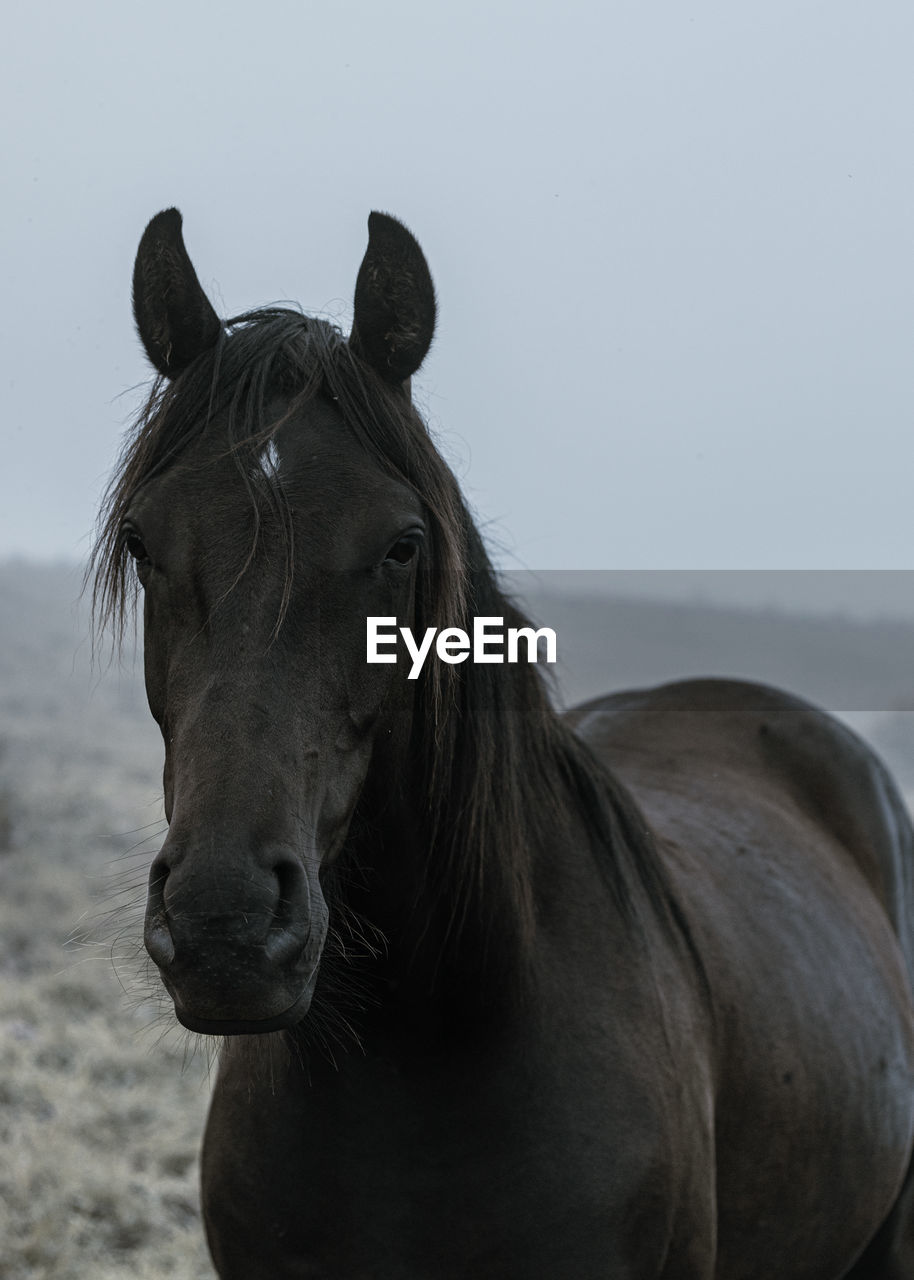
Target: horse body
<point>623,994</point>
<point>629,1123</point>
<point>788,847</point>
<point>528,1140</point>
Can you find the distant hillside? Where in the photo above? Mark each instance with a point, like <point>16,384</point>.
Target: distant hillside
<point>614,643</point>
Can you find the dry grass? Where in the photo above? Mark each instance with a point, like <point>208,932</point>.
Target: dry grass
<point>102,1102</point>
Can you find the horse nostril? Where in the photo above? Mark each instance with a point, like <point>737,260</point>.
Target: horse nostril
<point>156,933</point>
<point>289,930</point>
<point>290,879</point>
<point>159,944</point>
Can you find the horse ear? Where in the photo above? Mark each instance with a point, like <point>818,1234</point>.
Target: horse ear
<point>174,317</point>
<point>394,318</point>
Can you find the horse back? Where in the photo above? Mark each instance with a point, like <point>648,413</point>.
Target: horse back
<point>720,739</point>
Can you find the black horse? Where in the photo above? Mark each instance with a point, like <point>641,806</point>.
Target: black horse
<point>620,994</point>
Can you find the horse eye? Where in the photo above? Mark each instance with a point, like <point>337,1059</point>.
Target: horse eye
<point>403,550</point>
<point>135,547</point>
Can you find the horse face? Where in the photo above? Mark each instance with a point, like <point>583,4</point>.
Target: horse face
<point>257,675</point>
<point>258,583</point>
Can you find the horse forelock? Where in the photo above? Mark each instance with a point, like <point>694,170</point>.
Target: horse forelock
<point>261,356</point>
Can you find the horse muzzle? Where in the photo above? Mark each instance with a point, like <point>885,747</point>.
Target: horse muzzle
<point>237,953</point>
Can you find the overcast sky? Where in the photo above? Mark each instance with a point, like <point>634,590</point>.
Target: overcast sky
<point>671,242</point>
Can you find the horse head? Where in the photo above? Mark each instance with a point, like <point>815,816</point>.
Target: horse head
<point>280,491</point>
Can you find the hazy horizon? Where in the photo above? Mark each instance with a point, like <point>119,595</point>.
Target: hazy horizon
<point>854,595</point>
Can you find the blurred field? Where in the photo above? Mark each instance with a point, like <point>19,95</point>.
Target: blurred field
<point>100,1113</point>
<point>102,1100</point>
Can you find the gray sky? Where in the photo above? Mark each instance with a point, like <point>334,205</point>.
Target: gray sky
<point>671,242</point>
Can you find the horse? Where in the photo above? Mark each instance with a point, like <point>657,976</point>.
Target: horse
<point>500,992</point>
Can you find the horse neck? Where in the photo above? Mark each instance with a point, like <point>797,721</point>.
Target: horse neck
<point>465,853</point>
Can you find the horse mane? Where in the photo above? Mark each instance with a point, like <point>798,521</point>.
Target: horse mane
<point>494,763</point>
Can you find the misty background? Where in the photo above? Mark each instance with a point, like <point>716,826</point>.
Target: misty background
<point>671,243</point>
